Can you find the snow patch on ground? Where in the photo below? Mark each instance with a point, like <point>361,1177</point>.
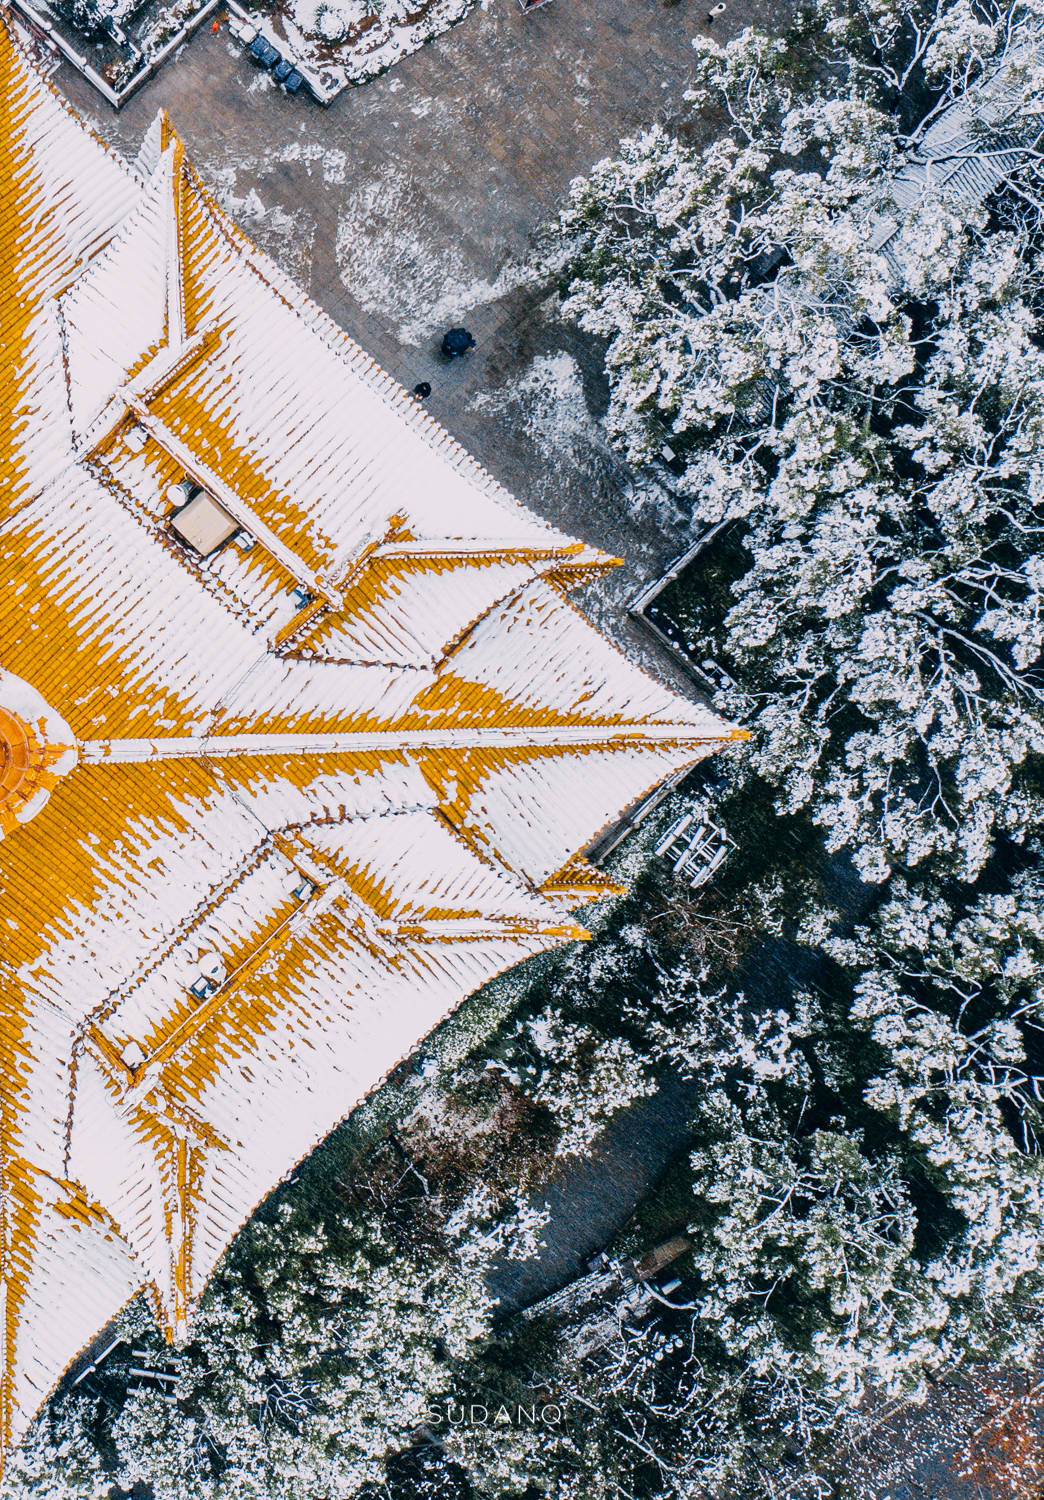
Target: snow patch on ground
<point>331,161</point>
<point>287,238</point>
<point>330,22</point>
<point>458,299</point>
<point>548,401</point>
<point>392,270</point>
<point>555,411</point>
<point>270,226</point>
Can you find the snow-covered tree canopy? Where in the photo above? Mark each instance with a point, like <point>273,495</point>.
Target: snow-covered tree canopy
<point>833,317</point>
<point>870,1193</point>
<point>849,361</point>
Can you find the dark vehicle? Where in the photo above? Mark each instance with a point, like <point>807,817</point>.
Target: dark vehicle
<point>262,52</point>
<point>282,70</point>
<point>293,81</point>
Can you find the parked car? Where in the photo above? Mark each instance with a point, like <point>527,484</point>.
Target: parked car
<point>263,53</point>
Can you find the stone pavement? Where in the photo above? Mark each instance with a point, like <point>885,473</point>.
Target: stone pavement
<point>591,1197</point>
<point>412,202</point>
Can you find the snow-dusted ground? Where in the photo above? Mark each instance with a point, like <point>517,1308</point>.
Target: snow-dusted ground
<point>549,402</point>
<point>388,260</point>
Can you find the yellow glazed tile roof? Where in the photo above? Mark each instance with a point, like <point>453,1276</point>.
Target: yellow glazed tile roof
<point>266,815</point>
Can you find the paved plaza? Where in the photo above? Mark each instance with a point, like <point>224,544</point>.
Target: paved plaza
<point>412,203</point>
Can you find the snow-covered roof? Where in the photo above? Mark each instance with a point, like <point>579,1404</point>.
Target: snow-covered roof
<point>267,814</point>
<point>953,159</point>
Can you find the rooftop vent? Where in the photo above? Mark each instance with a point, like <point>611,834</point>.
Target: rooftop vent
<point>212,974</point>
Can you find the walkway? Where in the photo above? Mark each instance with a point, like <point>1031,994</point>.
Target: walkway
<point>591,1197</point>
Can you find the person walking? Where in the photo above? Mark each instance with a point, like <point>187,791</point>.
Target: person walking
<point>456,342</point>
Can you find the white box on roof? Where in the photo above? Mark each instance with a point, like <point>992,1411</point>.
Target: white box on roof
<point>204,524</point>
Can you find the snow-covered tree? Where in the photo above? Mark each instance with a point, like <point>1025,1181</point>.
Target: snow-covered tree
<point>312,1359</point>
<point>63,1443</point>
<point>870,425</point>
<point>865,1210</point>
<point>91,17</point>
<point>578,1073</point>
<point>845,357</point>
<point>867,1205</point>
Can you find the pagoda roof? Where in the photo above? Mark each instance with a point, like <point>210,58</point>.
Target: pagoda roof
<point>267,814</point>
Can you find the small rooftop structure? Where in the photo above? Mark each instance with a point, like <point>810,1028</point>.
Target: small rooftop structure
<point>613,1293</point>
<point>952,158</point>
<point>695,847</point>
<point>204,524</point>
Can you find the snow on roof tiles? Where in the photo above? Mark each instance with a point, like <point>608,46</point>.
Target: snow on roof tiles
<point>952,160</point>
<point>266,815</point>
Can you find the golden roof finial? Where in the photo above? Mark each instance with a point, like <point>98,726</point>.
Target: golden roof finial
<point>37,748</point>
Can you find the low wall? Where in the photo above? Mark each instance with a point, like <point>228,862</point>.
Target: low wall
<point>53,38</point>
